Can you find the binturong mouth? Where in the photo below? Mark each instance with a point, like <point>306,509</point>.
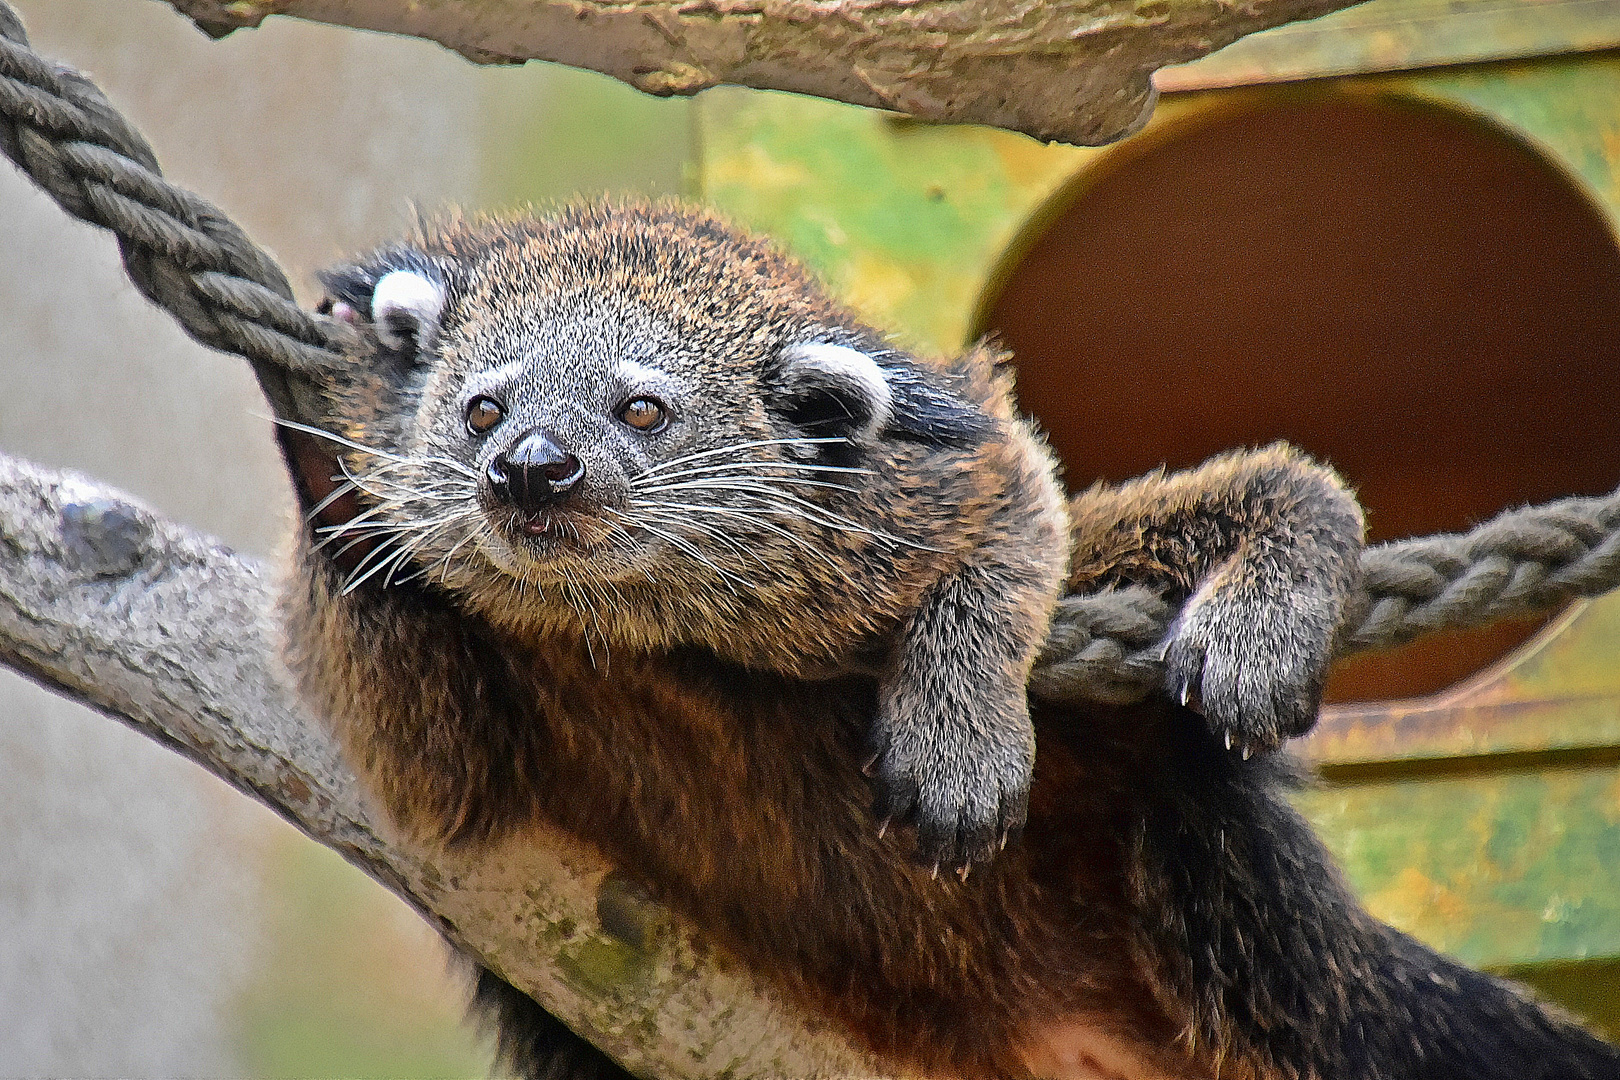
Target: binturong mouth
<point>550,525</point>
<point>537,538</point>
<point>543,523</point>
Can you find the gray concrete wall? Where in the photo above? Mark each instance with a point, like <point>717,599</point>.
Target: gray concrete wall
<point>136,891</point>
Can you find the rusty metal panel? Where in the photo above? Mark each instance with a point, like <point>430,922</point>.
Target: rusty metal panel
<point>910,222</point>
<point>1567,109</point>
<point>1558,696</point>
<point>1485,820</point>
<point>1496,868</point>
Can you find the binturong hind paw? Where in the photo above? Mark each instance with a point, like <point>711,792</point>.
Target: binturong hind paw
<point>961,780</point>
<point>1251,658</point>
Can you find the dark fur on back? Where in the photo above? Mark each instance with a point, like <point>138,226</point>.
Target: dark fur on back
<point>1164,904</point>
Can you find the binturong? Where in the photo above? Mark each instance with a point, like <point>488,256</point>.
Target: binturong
<point>618,522</point>
<point>595,441</point>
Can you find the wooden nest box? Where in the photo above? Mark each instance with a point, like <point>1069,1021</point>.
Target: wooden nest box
<point>1388,236</point>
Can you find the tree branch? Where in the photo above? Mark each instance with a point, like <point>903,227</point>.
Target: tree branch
<point>1076,71</point>
<point>105,603</point>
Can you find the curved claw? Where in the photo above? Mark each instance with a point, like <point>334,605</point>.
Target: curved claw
<point>965,793</point>
<point>1255,677</point>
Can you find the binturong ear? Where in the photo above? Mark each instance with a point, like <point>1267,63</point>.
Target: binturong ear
<point>405,308</point>
<point>400,292</point>
<point>832,391</point>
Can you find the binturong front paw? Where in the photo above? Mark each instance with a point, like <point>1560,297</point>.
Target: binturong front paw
<point>960,775</point>
<point>1251,655</point>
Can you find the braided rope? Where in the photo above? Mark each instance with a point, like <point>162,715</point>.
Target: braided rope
<point>1105,646</point>
<point>188,258</point>
<point>181,252</point>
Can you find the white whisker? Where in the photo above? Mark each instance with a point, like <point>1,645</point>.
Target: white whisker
<point>717,482</point>
<point>374,451</point>
<point>793,506</point>
<point>733,448</point>
<point>752,463</point>
<point>726,576</point>
<point>731,511</point>
<point>666,515</point>
<point>409,549</point>
<point>337,493</point>
<point>383,555</point>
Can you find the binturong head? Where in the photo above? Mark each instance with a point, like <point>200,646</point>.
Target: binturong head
<point>636,417</point>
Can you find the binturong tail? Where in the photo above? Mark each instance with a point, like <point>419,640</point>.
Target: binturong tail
<point>1445,1021</point>
<point>1258,944</point>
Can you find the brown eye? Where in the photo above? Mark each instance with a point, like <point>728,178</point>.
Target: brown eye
<point>644,414</point>
<point>483,413</point>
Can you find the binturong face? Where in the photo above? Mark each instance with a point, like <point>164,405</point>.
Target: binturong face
<point>599,436</point>
<point>594,417</point>
<point>565,410</point>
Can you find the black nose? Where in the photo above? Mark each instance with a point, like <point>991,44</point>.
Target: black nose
<point>534,474</point>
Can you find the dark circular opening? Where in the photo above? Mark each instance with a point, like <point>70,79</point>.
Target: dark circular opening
<point>1405,292</point>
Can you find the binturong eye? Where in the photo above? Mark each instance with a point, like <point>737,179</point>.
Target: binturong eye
<point>483,413</point>
<point>645,414</point>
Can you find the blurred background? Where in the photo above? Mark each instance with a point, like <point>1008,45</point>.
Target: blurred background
<point>157,923</point>
<point>1387,235</point>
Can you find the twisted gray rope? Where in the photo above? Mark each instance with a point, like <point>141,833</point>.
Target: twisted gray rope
<point>1104,647</point>
<point>181,251</point>
<point>187,257</point>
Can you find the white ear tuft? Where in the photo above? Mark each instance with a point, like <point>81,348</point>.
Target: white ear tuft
<point>847,374</point>
<point>405,308</point>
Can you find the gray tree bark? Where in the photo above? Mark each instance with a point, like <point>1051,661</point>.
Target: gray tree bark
<point>1077,71</point>
<point>106,603</point>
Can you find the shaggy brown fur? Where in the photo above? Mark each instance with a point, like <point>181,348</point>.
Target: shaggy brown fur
<point>696,690</point>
